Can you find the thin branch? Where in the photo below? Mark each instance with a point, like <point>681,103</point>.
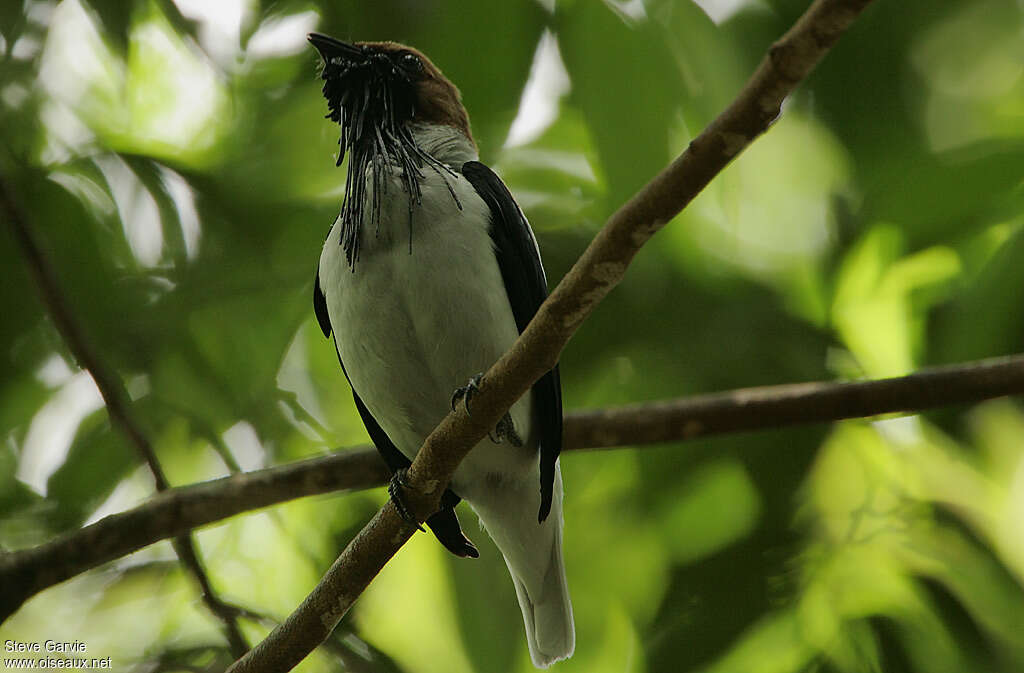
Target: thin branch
<point>178,510</point>
<point>109,384</point>
<point>115,396</point>
<point>536,351</point>
<point>795,403</point>
<point>174,512</point>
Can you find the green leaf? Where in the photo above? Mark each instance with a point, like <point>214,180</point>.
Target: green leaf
<point>630,131</point>
<point>98,460</point>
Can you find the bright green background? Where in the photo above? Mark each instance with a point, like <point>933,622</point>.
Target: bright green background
<point>877,228</point>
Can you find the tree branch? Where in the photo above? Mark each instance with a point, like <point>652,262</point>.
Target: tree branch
<point>795,403</point>
<point>537,349</point>
<point>174,512</point>
<point>178,510</point>
<point>115,396</point>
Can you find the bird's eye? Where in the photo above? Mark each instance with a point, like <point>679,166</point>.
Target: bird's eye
<point>411,62</point>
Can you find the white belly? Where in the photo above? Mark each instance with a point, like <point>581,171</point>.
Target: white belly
<point>412,325</point>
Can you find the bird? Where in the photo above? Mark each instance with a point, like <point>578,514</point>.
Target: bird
<point>429,273</point>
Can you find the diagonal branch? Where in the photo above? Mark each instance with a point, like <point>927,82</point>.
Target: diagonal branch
<point>115,396</point>
<point>179,510</point>
<point>536,351</point>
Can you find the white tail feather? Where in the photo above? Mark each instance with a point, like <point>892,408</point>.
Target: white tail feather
<point>533,554</point>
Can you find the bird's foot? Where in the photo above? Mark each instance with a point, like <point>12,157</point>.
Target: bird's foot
<point>395,490</point>
<point>506,429</point>
<point>466,392</point>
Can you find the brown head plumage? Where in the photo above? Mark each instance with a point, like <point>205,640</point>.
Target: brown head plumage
<point>436,99</point>
<point>377,91</point>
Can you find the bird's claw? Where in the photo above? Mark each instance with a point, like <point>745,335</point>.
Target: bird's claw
<point>505,429</point>
<point>395,487</point>
<point>466,392</point>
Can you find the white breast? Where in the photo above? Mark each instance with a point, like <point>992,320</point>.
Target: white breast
<point>412,324</point>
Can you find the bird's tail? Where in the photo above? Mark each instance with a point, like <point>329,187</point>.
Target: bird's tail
<point>533,554</point>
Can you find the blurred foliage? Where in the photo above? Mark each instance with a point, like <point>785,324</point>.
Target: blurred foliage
<point>173,158</point>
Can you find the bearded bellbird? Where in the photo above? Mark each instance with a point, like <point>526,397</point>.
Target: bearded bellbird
<point>426,278</point>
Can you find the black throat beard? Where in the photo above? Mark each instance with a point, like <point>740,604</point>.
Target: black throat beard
<point>372,102</point>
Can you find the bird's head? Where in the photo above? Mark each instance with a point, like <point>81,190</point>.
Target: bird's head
<point>381,85</point>
<point>378,92</point>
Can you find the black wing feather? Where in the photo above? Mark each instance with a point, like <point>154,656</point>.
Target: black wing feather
<point>523,273</point>
<point>320,306</point>
<point>444,523</point>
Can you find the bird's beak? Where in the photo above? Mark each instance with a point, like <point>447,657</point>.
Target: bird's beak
<point>330,47</point>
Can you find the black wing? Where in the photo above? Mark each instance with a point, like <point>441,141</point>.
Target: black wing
<point>444,523</point>
<point>527,287</point>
